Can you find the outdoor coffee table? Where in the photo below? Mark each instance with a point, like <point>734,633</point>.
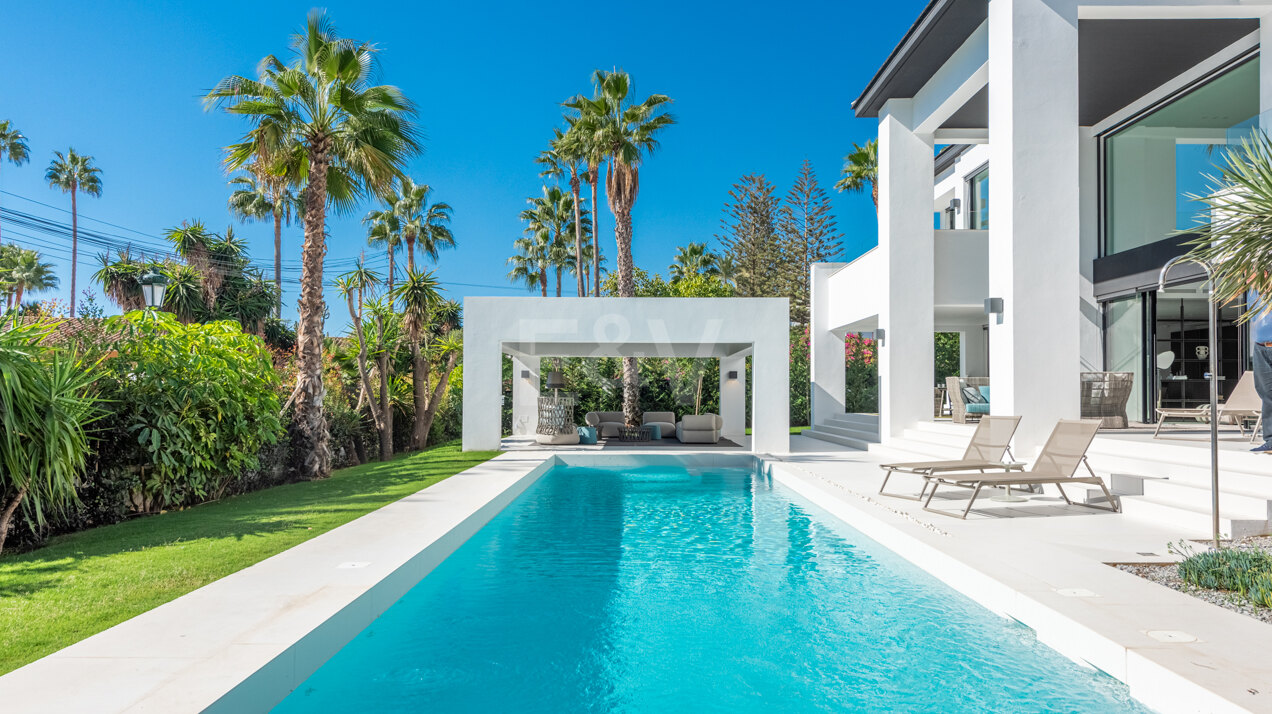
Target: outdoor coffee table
<point>633,433</point>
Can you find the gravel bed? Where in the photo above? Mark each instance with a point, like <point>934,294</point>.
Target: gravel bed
<point>1167,574</point>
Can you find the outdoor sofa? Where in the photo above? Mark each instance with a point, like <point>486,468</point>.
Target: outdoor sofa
<point>665,421</point>
<point>968,400</point>
<point>699,428</point>
<point>605,423</point>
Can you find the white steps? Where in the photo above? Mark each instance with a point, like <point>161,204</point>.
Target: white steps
<point>856,431</point>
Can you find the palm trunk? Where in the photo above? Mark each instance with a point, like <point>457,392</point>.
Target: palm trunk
<point>391,270</point>
<point>435,400</point>
<point>874,193</point>
<point>17,295</point>
<point>578,233</point>
<point>596,243</point>
<point>7,516</point>
<point>558,280</point>
<point>310,441</point>
<point>419,384</point>
<point>543,280</point>
<point>627,288</point>
<point>410,252</point>
<point>278,257</point>
<point>74,246</point>
<point>363,377</point>
<point>386,408</point>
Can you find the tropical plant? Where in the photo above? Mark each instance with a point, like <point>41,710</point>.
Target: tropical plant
<point>530,262</point>
<point>198,401</point>
<point>583,138</point>
<point>21,272</point>
<point>550,218</point>
<point>45,409</point>
<point>384,228</point>
<point>265,191</point>
<point>324,103</point>
<point>13,145</point>
<point>1233,241</point>
<point>565,157</point>
<point>626,132</point>
<point>861,169</point>
<point>422,221</point>
<point>693,259</point>
<point>420,294</point>
<point>727,269</point>
<point>74,173</point>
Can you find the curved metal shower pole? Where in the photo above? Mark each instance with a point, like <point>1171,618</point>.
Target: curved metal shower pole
<point>1213,314</point>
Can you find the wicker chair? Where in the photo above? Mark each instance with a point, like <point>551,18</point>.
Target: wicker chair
<point>1104,397</point>
<point>958,407</point>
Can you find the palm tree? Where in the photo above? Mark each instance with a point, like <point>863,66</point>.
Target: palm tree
<point>861,169</point>
<point>384,228</point>
<point>530,262</point>
<point>24,272</point>
<point>565,156</point>
<point>356,282</point>
<point>693,259</point>
<point>260,194</point>
<point>583,135</point>
<point>727,269</point>
<point>553,213</point>
<point>13,144</point>
<point>420,293</point>
<point>422,221</point>
<point>625,132</point>
<point>323,102</point>
<point>74,173</point>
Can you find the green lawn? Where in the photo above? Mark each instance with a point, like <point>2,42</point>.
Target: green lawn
<point>83,583</point>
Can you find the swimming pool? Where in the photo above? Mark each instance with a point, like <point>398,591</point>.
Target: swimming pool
<point>668,588</point>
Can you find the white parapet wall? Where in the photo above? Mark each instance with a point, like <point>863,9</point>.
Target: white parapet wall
<point>728,329</point>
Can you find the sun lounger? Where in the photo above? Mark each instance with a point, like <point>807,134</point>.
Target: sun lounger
<point>1242,406</point>
<point>990,441</point>
<point>1057,464</point>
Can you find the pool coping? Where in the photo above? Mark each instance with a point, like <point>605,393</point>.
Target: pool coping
<point>244,642</point>
<point>1108,631</point>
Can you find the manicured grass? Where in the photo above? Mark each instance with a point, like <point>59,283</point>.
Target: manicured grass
<point>83,583</point>
<point>794,429</point>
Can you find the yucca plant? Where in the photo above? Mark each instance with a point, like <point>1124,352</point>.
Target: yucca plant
<point>45,409</point>
<point>1236,238</point>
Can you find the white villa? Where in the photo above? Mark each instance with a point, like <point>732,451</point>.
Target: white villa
<point>1088,123</point>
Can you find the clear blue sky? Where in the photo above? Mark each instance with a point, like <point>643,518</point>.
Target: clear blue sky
<point>758,87</point>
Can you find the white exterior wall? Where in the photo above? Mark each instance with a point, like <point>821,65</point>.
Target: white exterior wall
<point>906,249</point>
<point>827,389</point>
<point>525,396</point>
<point>733,398</point>
<point>1033,251</point>
<point>726,328</point>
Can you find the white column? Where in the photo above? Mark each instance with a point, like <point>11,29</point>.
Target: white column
<point>1034,217</point>
<point>1091,325</point>
<point>525,396</point>
<point>825,349</point>
<point>906,243</point>
<point>733,397</point>
<point>971,342</point>
<point>770,392</point>
<point>483,392</point>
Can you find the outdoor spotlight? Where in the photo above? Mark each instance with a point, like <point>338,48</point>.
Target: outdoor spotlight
<point>733,375</point>
<point>525,374</point>
<point>153,285</point>
<point>994,306</point>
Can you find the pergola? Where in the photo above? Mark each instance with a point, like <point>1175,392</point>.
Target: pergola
<point>531,328</point>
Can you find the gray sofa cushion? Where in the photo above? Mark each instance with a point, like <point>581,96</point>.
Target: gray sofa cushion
<point>606,423</point>
<point>665,421</point>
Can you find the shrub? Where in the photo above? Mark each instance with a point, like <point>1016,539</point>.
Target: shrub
<point>1226,569</point>
<point>198,403</point>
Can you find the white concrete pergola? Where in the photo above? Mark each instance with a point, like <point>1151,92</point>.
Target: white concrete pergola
<point>530,328</point>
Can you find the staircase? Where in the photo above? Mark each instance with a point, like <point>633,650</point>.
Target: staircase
<point>1157,481</point>
<point>856,431</point>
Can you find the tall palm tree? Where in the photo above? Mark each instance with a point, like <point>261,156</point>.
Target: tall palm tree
<point>13,145</point>
<point>384,228</point>
<point>259,194</point>
<point>530,262</point>
<point>583,135</point>
<point>324,102</point>
<point>861,169</point>
<point>422,221</point>
<point>565,156</point>
<point>693,259</point>
<point>554,213</point>
<point>727,269</point>
<point>626,133</point>
<point>74,173</point>
<point>420,293</point>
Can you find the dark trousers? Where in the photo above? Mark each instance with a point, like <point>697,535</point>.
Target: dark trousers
<point>1263,384</point>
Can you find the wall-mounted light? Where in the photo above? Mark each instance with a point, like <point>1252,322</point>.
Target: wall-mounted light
<point>525,374</point>
<point>879,336</point>
<point>733,375</point>
<point>994,306</point>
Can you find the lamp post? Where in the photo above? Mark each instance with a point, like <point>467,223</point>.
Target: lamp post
<point>153,286</point>
<point>1213,375</point>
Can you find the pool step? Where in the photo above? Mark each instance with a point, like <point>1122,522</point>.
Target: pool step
<point>856,431</point>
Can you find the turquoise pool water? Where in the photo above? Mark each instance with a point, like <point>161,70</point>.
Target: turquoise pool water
<point>665,589</point>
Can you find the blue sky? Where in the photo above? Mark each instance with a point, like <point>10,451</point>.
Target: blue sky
<point>758,87</point>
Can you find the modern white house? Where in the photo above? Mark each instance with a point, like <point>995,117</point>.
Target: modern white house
<point>1089,124</point>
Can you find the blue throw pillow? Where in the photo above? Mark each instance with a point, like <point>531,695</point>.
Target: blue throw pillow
<point>972,396</point>
<point>984,392</point>
<point>587,435</point>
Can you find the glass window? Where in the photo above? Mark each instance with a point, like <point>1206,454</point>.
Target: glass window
<point>1153,165</point>
<point>1124,347</point>
<point>978,200</point>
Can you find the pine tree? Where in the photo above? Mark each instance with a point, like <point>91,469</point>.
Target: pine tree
<point>750,237</point>
<point>808,235</point>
